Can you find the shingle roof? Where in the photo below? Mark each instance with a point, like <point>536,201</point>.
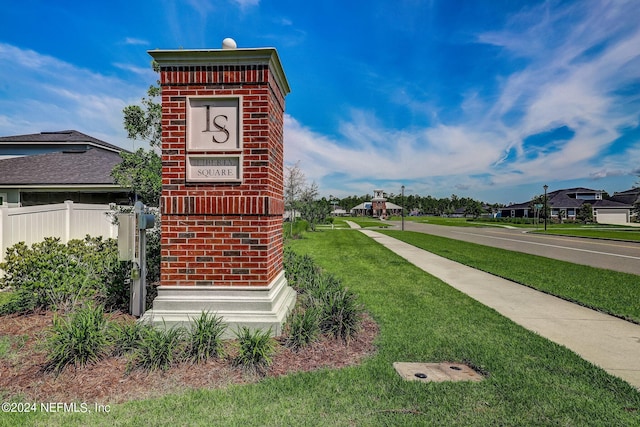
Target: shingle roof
<point>609,204</point>
<point>561,200</point>
<point>92,166</point>
<point>629,196</point>
<point>60,137</point>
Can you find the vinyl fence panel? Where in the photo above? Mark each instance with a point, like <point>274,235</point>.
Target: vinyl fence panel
<point>65,220</point>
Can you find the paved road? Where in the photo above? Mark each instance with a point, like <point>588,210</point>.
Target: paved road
<point>612,255</point>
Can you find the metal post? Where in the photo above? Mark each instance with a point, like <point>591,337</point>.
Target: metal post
<point>545,206</point>
<point>138,289</point>
<point>403,208</point>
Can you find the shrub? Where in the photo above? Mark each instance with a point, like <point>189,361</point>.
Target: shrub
<point>158,348</point>
<point>340,314</point>
<point>303,327</point>
<point>50,274</point>
<point>205,337</point>
<point>153,255</point>
<point>255,349</point>
<point>300,270</point>
<point>77,339</point>
<point>20,301</point>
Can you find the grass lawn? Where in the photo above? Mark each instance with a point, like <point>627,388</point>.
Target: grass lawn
<point>530,381</point>
<point>363,222</point>
<point>605,290</point>
<point>614,233</point>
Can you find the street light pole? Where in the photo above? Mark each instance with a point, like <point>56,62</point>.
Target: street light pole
<point>403,208</point>
<point>545,206</point>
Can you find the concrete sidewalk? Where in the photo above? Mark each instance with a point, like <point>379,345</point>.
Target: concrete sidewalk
<point>608,342</point>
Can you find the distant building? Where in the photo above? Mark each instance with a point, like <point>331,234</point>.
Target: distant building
<point>378,207</point>
<point>52,167</point>
<point>565,204</point>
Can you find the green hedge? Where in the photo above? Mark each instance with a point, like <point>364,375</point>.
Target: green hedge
<point>54,275</point>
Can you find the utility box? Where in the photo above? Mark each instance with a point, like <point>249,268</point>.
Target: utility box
<point>126,236</point>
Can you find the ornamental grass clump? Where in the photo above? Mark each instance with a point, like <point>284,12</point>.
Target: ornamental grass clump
<point>204,339</point>
<point>341,314</point>
<point>322,298</point>
<point>158,348</point>
<point>126,336</point>
<point>255,349</point>
<point>78,339</point>
<point>303,327</point>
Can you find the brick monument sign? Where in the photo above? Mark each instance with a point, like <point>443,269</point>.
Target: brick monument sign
<point>222,187</point>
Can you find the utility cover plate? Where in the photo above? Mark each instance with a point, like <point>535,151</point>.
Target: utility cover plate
<point>436,372</point>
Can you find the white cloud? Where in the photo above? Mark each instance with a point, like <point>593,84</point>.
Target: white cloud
<point>573,75</point>
<point>135,41</point>
<point>246,3</point>
<point>47,94</point>
<point>146,72</point>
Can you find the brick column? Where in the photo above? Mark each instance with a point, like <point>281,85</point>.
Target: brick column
<point>222,187</point>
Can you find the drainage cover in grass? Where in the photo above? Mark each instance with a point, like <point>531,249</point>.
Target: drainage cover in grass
<point>436,372</point>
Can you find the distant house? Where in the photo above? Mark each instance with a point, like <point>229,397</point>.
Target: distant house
<point>338,211</point>
<point>52,167</point>
<point>566,204</point>
<point>377,207</point>
<point>628,197</point>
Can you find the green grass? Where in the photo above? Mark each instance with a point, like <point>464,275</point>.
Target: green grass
<point>602,231</point>
<point>609,291</point>
<point>363,222</point>
<point>441,220</point>
<point>613,233</point>
<point>531,381</point>
<point>5,346</point>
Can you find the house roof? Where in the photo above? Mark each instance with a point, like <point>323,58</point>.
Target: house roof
<point>64,137</point>
<point>609,204</point>
<point>629,196</point>
<point>367,205</point>
<point>89,167</point>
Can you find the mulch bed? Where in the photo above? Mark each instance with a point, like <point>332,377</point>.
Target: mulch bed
<point>22,375</point>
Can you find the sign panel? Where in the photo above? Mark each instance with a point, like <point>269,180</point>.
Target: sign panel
<point>214,124</point>
<point>222,168</point>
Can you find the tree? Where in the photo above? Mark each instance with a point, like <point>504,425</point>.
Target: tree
<point>294,183</point>
<point>144,122</point>
<point>635,210</point>
<point>142,170</point>
<point>473,208</point>
<point>312,210</point>
<point>585,213</point>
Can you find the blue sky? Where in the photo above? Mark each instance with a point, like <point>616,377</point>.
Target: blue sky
<point>483,99</point>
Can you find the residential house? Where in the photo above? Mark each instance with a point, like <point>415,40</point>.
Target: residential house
<point>53,167</point>
<point>565,204</point>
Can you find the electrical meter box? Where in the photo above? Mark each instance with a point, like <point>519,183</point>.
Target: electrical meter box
<point>126,236</point>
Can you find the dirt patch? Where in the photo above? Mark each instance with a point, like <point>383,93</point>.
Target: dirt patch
<point>22,376</point>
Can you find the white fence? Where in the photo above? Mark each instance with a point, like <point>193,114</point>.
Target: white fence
<point>66,220</point>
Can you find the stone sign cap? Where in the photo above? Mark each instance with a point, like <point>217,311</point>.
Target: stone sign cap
<point>238,56</point>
